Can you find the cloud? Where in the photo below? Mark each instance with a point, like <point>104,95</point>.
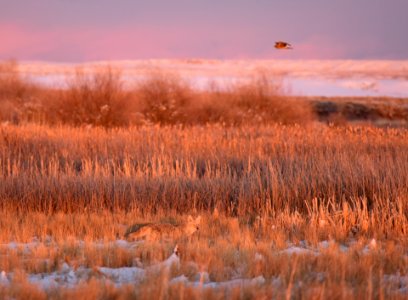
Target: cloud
<point>321,47</point>
<point>98,43</point>
<point>31,44</point>
<point>149,41</point>
<point>120,42</point>
<point>123,41</point>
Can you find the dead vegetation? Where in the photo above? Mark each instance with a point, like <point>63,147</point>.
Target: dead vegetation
<point>240,170</point>
<point>92,99</point>
<point>100,98</point>
<point>316,254</point>
<point>318,211</point>
<point>376,111</point>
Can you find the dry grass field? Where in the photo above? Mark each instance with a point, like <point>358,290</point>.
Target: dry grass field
<point>291,208</point>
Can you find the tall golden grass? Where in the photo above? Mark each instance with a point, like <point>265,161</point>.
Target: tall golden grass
<point>243,170</point>
<point>225,248</point>
<point>164,150</point>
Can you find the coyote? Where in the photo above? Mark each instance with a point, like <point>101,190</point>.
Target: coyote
<point>156,231</point>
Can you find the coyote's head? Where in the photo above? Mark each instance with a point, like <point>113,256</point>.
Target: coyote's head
<point>192,225</point>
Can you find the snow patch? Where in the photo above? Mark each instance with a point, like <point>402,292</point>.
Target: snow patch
<point>298,250</point>
<point>260,280</point>
<point>123,275</point>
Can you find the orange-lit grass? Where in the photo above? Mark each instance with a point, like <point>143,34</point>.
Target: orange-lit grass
<point>242,171</point>
<point>76,190</point>
<point>225,247</point>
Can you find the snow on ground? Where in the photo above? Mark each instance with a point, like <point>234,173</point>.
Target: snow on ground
<point>397,283</point>
<point>298,250</point>
<point>334,69</point>
<point>302,248</point>
<point>260,280</point>
<point>301,77</point>
<point>69,277</point>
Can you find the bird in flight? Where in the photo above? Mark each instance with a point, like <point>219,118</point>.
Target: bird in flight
<point>283,45</point>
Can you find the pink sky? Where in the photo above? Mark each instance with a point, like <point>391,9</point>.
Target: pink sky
<point>75,31</point>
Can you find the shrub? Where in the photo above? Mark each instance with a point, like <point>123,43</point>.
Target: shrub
<point>164,99</point>
<point>264,101</point>
<point>98,98</point>
<point>18,99</point>
<point>93,99</point>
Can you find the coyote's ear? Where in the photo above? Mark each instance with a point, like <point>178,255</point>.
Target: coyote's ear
<point>190,218</point>
<point>198,219</point>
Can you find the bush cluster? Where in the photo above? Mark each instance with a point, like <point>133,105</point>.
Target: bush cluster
<point>100,99</point>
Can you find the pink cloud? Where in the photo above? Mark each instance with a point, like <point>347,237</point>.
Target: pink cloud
<point>320,47</point>
<point>28,44</point>
<point>126,42</point>
<point>89,43</point>
<point>14,39</point>
<point>131,42</point>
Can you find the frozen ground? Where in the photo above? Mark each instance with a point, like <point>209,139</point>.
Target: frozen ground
<point>304,78</point>
<point>69,276</point>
